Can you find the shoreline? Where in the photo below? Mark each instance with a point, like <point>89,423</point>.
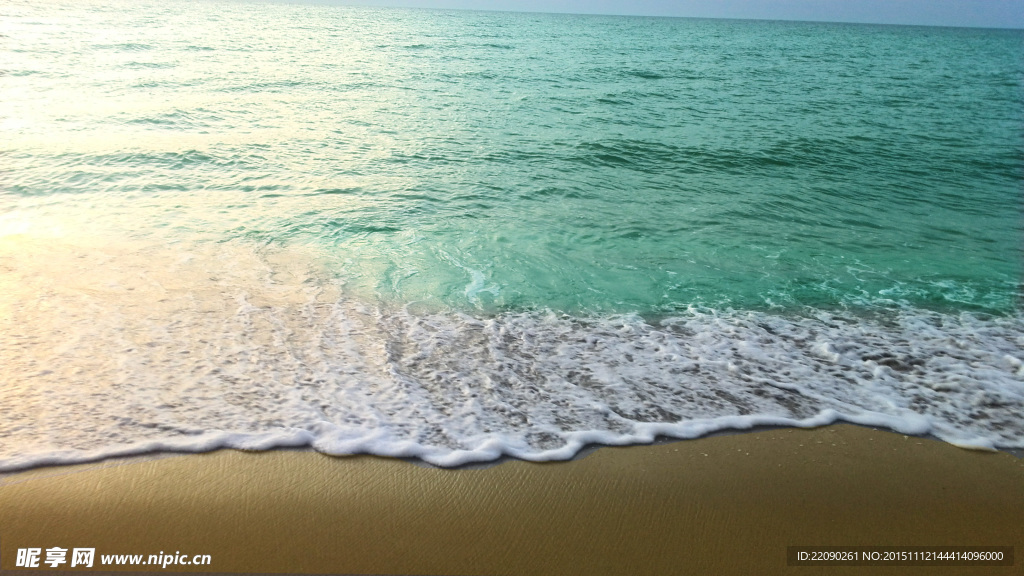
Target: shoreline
<point>119,460</point>
<point>723,504</point>
<point>585,451</point>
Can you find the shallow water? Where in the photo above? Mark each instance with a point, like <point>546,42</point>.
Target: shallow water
<point>455,235</point>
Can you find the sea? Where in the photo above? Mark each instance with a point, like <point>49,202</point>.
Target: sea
<point>458,236</point>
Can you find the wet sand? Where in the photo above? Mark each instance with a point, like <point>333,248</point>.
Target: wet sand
<point>721,505</point>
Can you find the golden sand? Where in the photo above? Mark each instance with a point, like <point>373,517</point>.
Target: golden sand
<point>721,505</point>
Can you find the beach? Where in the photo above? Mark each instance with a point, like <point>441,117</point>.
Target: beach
<point>457,235</point>
<point>302,288</point>
<point>722,505</point>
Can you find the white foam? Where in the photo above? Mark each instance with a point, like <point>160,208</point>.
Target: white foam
<point>113,350</point>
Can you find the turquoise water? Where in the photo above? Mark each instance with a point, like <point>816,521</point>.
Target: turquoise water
<point>546,221</point>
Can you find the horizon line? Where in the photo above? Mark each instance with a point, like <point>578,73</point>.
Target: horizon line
<point>406,4</point>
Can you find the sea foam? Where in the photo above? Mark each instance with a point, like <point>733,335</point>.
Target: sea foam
<point>211,346</point>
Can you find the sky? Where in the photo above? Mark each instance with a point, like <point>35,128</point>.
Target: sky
<point>977,13</point>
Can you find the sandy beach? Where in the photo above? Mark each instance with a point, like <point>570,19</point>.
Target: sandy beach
<point>721,505</point>
<point>313,286</point>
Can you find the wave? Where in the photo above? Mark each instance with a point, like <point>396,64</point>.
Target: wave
<point>227,347</point>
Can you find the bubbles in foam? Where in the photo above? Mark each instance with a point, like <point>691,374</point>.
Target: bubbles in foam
<point>111,350</point>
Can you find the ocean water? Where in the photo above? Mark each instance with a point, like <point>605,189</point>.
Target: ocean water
<point>455,235</point>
